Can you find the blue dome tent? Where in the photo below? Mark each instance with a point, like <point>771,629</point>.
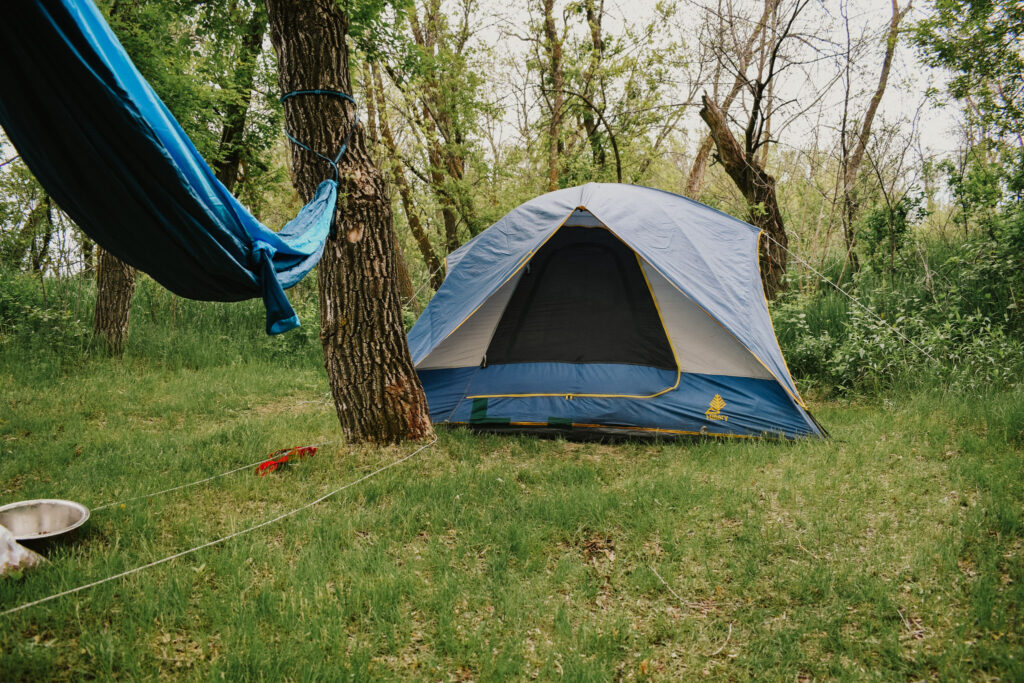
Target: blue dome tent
<point>608,309</point>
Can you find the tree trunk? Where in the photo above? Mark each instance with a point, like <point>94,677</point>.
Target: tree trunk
<point>745,53</point>
<point>88,249</point>
<point>595,14</point>
<point>856,157</point>
<point>405,286</point>
<point>41,221</point>
<point>115,286</point>
<point>553,45</point>
<point>758,189</point>
<point>232,135</point>
<point>695,179</point>
<point>377,393</point>
<point>404,190</point>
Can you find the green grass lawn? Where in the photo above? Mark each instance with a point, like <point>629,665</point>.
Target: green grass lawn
<point>893,551</point>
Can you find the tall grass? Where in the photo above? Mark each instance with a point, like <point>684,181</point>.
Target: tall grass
<point>46,328</point>
<point>949,317</point>
<point>890,552</point>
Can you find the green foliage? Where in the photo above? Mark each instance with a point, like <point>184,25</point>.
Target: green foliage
<point>170,55</point>
<point>33,326</point>
<point>884,229</point>
<point>26,220</point>
<point>982,43</point>
<point>53,327</point>
<point>977,182</point>
<point>963,312</point>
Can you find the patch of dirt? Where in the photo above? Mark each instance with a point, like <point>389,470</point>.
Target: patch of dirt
<point>178,651</point>
<point>598,549</point>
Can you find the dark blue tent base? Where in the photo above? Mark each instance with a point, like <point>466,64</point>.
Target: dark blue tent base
<point>587,433</point>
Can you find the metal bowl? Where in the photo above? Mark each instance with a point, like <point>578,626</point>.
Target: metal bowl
<point>36,520</point>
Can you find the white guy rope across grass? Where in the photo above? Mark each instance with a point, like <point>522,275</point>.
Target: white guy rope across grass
<point>260,461</point>
<point>203,481</point>
<point>222,539</point>
<point>853,299</point>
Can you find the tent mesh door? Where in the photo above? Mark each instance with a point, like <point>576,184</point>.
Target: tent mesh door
<point>582,299</point>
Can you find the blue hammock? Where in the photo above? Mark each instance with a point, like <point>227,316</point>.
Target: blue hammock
<point>105,147</point>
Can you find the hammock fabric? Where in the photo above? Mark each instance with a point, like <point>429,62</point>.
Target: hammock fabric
<point>105,147</point>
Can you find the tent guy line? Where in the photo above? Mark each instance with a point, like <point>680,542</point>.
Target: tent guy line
<point>249,465</point>
<point>203,481</point>
<point>412,299</point>
<point>222,539</point>
<point>851,298</point>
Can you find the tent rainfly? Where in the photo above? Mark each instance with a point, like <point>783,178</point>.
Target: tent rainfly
<point>608,309</point>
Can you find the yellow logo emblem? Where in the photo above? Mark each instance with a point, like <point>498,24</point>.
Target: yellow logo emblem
<point>714,411</point>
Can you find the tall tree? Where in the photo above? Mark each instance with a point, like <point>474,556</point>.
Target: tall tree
<point>232,144</point>
<point>855,146</point>
<point>758,188</point>
<point>405,286</point>
<point>739,53</point>
<point>439,88</point>
<point>159,50</point>
<point>377,393</point>
<point>419,233</point>
<point>741,162</point>
<point>555,81</point>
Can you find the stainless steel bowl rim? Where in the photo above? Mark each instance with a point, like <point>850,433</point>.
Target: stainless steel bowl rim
<point>35,501</point>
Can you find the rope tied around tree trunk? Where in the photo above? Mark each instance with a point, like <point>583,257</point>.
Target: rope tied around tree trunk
<point>344,97</point>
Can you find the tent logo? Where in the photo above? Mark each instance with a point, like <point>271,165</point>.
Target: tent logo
<point>714,411</point>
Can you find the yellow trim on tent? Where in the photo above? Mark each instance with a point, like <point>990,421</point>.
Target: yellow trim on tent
<point>519,267</point>
<point>796,397</point>
<point>730,332</point>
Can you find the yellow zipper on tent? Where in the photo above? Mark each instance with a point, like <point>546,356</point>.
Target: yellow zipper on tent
<point>730,332</point>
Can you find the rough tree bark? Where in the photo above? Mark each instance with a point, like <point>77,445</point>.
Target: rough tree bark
<point>115,286</point>
<point>376,392</point>
<point>853,160</point>
<point>758,188</point>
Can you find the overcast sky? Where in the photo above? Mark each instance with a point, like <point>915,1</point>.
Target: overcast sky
<point>904,99</point>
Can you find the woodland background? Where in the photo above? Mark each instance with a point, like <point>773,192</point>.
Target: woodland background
<point>891,138</point>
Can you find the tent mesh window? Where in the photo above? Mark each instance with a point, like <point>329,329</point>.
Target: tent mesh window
<point>582,299</point>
